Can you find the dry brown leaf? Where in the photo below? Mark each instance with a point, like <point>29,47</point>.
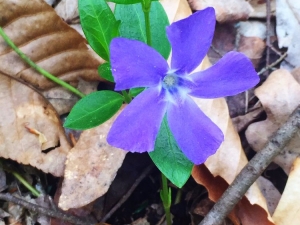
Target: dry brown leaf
<point>227,163</point>
<point>68,10</point>
<point>287,211</point>
<point>251,40</point>
<point>244,212</point>
<point>226,11</point>
<point>279,95</point>
<point>91,166</point>
<point>23,107</point>
<point>40,33</point>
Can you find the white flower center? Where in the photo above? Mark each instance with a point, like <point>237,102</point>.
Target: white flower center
<point>170,80</point>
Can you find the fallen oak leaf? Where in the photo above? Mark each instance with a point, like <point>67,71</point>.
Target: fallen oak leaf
<point>25,107</point>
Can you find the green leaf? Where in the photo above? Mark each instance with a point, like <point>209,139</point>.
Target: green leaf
<point>133,25</point>
<point>135,91</point>
<point>99,25</point>
<point>127,2</point>
<point>104,71</point>
<point>93,110</point>
<point>169,159</point>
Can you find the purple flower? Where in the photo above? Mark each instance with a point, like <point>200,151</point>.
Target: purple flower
<point>134,64</point>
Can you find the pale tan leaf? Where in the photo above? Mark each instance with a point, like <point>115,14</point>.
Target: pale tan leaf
<point>226,11</point>
<point>91,166</point>
<point>251,41</point>
<point>287,211</point>
<point>176,9</point>
<point>68,10</point>
<point>227,162</point>
<point>259,7</point>
<point>46,39</point>
<point>279,95</point>
<point>23,107</point>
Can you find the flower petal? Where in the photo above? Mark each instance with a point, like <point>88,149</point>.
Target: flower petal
<point>136,128</point>
<point>232,74</point>
<point>190,39</point>
<point>196,135</point>
<point>135,64</point>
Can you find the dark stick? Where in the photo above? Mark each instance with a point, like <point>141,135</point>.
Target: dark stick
<point>252,171</point>
<point>43,210</point>
<point>128,194</point>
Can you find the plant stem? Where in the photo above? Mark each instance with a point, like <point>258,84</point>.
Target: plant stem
<point>146,9</point>
<point>165,195</point>
<point>26,184</point>
<point>148,30</point>
<point>127,98</point>
<point>37,68</point>
<point>178,196</point>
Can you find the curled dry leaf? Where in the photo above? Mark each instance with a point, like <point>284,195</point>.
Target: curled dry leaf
<point>47,40</point>
<point>23,107</point>
<point>226,11</point>
<point>287,211</point>
<point>91,167</point>
<point>279,95</point>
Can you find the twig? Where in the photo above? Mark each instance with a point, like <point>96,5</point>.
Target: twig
<point>273,64</point>
<point>43,210</point>
<point>128,194</point>
<point>252,170</point>
<point>279,53</point>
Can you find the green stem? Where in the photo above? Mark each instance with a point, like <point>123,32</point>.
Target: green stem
<point>148,30</point>
<point>126,97</point>
<point>37,68</point>
<point>146,9</point>
<point>165,196</point>
<point>178,196</point>
<point>26,184</point>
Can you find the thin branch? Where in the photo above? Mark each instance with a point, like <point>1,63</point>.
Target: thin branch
<point>252,170</point>
<point>273,64</point>
<point>128,194</point>
<point>45,211</point>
